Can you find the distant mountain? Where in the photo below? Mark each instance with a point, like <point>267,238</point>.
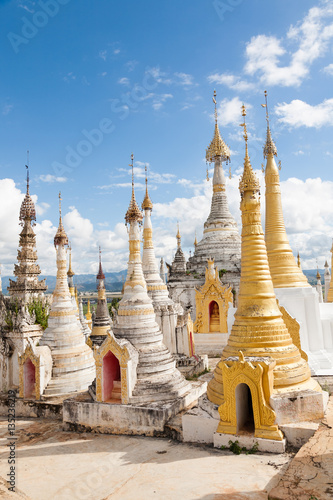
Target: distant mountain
<point>114,281</point>
<point>83,282</point>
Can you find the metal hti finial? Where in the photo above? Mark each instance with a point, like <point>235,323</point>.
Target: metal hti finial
<point>269,147</point>
<point>214,101</point>
<point>146,176</point>
<point>60,204</point>
<point>131,165</point>
<point>27,167</point>
<point>244,125</point>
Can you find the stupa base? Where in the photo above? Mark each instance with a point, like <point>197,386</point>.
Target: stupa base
<point>297,415</point>
<point>249,442</point>
<point>316,325</point>
<point>83,414</point>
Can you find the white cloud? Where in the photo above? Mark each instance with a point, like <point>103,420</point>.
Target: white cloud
<point>185,79</point>
<point>131,65</point>
<point>69,77</point>
<point>102,54</point>
<point>328,69</point>
<point>51,178</point>
<point>312,36</point>
<point>41,208</point>
<point>231,81</point>
<point>299,113</point>
<point>124,81</point>
<point>230,112</point>
<point>159,100</point>
<point>7,109</point>
<point>285,61</point>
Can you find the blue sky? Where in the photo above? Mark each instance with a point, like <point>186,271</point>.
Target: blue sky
<point>138,77</point>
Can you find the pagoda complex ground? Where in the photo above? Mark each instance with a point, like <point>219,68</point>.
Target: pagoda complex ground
<point>60,465</point>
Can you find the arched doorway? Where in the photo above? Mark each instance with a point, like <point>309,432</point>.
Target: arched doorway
<point>244,409</point>
<point>29,376</point>
<point>111,383</point>
<point>214,317</point>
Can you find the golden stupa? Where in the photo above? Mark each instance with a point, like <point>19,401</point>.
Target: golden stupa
<point>259,330</point>
<point>285,272</point>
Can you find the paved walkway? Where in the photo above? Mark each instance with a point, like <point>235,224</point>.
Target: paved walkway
<point>310,473</point>
<point>53,464</point>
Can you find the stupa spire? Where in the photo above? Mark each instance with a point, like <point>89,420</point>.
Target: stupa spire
<point>147,203</point>
<point>61,236</point>
<point>284,270</point>
<point>217,148</point>
<point>102,321</point>
<point>27,270</point>
<point>330,290</point>
<point>178,236</point>
<point>259,329</point>
<point>133,213</point>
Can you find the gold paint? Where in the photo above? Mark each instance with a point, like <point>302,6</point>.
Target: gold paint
<point>134,312</point>
<point>190,330</point>
<point>217,188</point>
<point>259,329</point>
<point>147,203</point>
<point>29,353</point>
<point>284,274</point>
<point>258,376</point>
<point>293,328</point>
<point>133,213</point>
<point>156,287</point>
<point>133,283</point>
<point>57,314</point>
<point>88,315</point>
<point>217,147</point>
<point>122,354</point>
<point>212,290</point>
<point>148,238</point>
<point>100,330</point>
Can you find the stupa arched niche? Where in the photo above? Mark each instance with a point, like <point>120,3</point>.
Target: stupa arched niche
<point>212,303</point>
<point>116,366</point>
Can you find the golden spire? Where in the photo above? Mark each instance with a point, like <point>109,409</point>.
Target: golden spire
<point>147,203</point>
<point>61,236</point>
<point>248,180</point>
<point>195,240</point>
<point>259,329</point>
<point>133,213</point>
<point>179,239</point>
<point>298,261</point>
<point>284,270</point>
<point>269,147</point>
<point>70,271</point>
<point>217,147</point>
<point>318,274</point>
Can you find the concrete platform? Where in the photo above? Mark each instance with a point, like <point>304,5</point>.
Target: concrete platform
<point>247,441</point>
<point>310,474</point>
<point>57,465</point>
<point>51,408</point>
<point>81,413</point>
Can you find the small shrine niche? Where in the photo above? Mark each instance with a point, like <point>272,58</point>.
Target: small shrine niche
<point>29,379</point>
<point>111,382</point>
<point>212,303</point>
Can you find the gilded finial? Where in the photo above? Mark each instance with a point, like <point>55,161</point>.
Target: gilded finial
<point>147,203</point>
<point>248,181</point>
<point>217,148</point>
<point>70,271</point>
<point>178,236</point>
<point>298,260</point>
<point>230,176</point>
<point>279,165</point>
<point>269,148</point>
<point>61,236</point>
<point>318,273</point>
<point>207,175</point>
<point>195,240</point>
<point>133,213</point>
